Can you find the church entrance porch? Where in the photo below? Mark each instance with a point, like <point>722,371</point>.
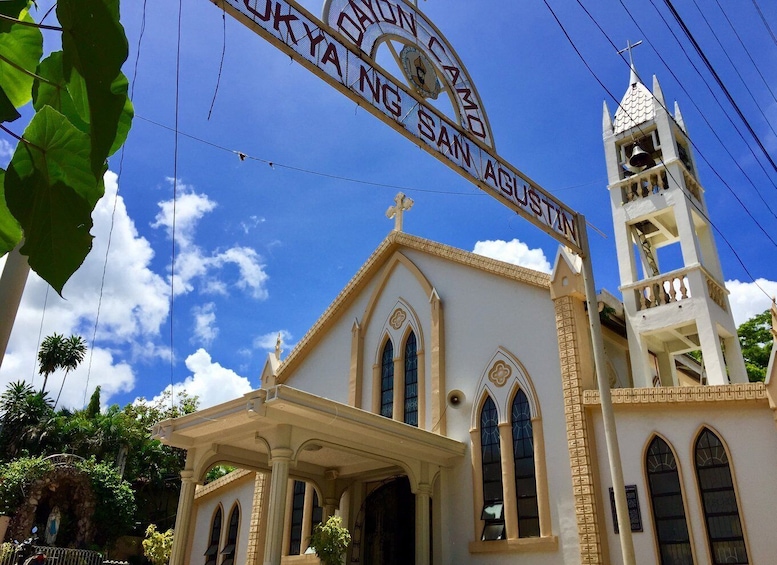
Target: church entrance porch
<point>292,434</point>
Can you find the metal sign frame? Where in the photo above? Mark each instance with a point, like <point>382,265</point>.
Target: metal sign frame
<point>340,63</point>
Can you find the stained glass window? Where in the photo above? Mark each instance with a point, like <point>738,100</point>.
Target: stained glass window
<point>215,539</point>
<point>387,381</point>
<point>525,479</point>
<point>666,500</point>
<point>229,549</point>
<point>411,381</point>
<point>721,513</point>
<point>491,461</point>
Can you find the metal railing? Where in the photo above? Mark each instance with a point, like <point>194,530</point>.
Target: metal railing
<point>57,555</point>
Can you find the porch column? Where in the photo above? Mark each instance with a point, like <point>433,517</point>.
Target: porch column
<point>276,511</point>
<point>423,533</point>
<point>331,503</point>
<point>183,518</point>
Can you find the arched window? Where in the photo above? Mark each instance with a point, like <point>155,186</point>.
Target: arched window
<point>411,381</point>
<point>387,381</point>
<point>666,500</point>
<point>297,513</point>
<point>525,479</point>
<point>719,501</point>
<point>212,552</point>
<point>228,552</point>
<point>493,497</point>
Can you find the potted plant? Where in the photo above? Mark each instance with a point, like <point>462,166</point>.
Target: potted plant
<point>330,540</point>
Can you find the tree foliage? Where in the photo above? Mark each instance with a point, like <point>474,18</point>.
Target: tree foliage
<point>157,546</point>
<point>756,340</point>
<point>115,510</point>
<point>117,439</point>
<point>81,116</point>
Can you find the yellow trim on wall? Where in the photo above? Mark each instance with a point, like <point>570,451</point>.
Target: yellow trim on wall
<point>685,395</point>
<point>578,433</point>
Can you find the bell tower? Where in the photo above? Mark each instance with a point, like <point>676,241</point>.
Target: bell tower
<point>672,283</point>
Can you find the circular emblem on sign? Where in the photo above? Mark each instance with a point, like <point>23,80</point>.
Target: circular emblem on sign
<point>499,373</point>
<point>419,71</point>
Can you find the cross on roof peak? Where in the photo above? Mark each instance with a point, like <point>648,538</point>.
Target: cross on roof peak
<point>401,203</point>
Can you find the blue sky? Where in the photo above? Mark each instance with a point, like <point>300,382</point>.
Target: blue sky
<point>262,249</point>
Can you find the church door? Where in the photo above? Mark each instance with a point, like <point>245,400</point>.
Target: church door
<point>389,525</point>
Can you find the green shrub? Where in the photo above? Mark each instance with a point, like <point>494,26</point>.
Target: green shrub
<point>157,546</point>
<point>15,478</point>
<point>330,540</point>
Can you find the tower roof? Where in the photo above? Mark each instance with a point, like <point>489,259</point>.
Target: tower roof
<point>636,106</point>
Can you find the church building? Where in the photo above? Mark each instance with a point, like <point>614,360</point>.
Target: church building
<point>445,405</point>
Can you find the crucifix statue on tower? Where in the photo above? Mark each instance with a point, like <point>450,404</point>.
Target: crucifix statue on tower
<point>402,203</point>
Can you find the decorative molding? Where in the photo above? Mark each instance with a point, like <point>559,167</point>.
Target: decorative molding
<point>742,392</point>
<point>499,373</point>
<point>398,318</point>
<point>255,541</point>
<point>589,525</point>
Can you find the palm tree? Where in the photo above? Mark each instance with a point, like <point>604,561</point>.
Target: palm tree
<point>73,352</point>
<point>49,357</point>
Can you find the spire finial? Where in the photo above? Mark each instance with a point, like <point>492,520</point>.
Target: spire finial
<point>278,343</point>
<point>402,203</point>
<point>634,78</point>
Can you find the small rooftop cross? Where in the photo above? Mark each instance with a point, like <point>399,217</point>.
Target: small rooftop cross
<point>629,47</point>
<point>402,203</point>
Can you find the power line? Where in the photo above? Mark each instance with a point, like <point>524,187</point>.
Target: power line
<point>736,70</point>
<point>756,66</point>
<point>765,22</point>
<point>717,78</point>
<point>703,115</point>
<point>699,210</point>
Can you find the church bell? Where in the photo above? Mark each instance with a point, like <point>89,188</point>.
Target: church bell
<point>640,158</point>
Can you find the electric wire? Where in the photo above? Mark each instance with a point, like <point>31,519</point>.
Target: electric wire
<point>718,80</point>
<point>175,198</point>
<point>698,109</point>
<point>765,22</point>
<point>223,52</point>
<point>723,145</point>
<point>703,115</point>
<point>40,333</point>
<point>734,66</point>
<point>698,209</point>
<point>756,66</point>
<point>115,204</point>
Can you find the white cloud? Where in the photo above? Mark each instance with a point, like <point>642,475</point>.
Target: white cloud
<point>748,300</point>
<point>251,223</point>
<point>134,304</point>
<point>184,213</point>
<point>6,152</point>
<point>192,263</point>
<point>515,252</point>
<point>209,381</point>
<point>205,329</point>
<point>267,341</point>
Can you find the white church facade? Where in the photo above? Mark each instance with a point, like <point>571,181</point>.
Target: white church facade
<point>445,404</point>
